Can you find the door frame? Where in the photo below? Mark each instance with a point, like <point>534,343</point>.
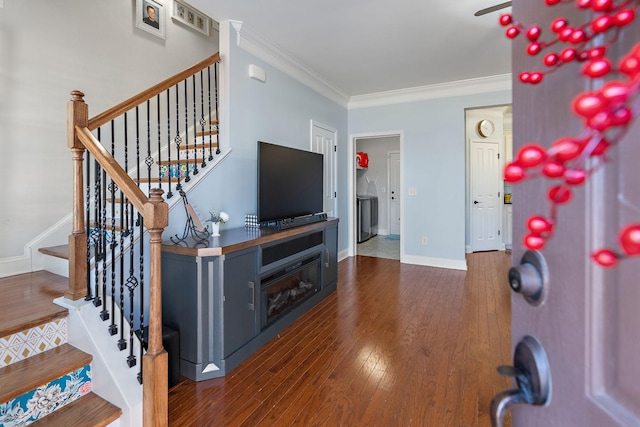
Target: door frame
<point>353,238</point>
<point>471,115</point>
<point>389,153</point>
<point>334,158</point>
<point>489,175</point>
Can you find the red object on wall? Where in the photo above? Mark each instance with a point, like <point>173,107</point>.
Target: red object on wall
<point>362,159</point>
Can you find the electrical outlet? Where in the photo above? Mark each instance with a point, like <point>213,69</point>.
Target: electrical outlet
<point>424,241</point>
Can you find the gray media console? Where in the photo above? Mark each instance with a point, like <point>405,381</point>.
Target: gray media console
<point>231,296</point>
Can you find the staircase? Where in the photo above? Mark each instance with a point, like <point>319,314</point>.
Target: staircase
<point>127,163</point>
<point>45,380</point>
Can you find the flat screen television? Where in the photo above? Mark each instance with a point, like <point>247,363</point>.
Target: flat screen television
<point>289,182</point>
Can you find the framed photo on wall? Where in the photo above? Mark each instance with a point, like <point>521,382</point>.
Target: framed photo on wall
<point>190,17</point>
<point>150,17</point>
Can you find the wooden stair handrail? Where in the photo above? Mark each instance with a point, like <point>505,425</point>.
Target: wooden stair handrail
<point>124,182</point>
<point>112,113</point>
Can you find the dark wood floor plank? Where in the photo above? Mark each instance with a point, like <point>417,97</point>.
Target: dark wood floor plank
<point>397,344</point>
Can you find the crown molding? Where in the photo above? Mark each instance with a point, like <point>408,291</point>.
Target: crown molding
<point>435,91</point>
<point>255,44</point>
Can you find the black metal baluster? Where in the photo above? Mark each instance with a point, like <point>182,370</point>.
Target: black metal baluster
<point>113,328</point>
<point>187,178</point>
<point>178,139</point>
<point>217,126</point>
<point>202,121</point>
<point>138,165</point>
<point>122,344</point>
<point>132,284</point>
<point>104,313</point>
<point>169,139</point>
<point>141,296</point>
<point>195,126</point>
<point>149,159</point>
<point>138,146</point>
<point>124,211</point>
<point>87,221</point>
<point>97,230</point>
<point>159,149</point>
<point>209,118</point>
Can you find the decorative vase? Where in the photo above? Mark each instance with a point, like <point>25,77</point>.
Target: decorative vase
<point>215,229</point>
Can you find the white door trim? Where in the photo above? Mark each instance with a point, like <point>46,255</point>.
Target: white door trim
<point>352,185</point>
<point>487,243</point>
<point>472,115</point>
<point>389,210</point>
<point>334,158</point>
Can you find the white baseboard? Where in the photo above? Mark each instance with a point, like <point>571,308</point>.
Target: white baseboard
<point>11,266</point>
<point>32,260</point>
<point>451,264</point>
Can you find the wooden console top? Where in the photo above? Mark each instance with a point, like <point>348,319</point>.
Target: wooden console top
<point>236,239</point>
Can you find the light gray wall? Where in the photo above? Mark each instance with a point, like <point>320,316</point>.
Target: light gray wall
<point>434,163</point>
<point>277,111</point>
<point>47,49</point>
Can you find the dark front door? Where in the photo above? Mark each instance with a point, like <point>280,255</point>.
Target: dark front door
<point>590,322</point>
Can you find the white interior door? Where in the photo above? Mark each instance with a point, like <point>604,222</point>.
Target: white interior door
<point>323,140</point>
<point>394,193</point>
<point>486,215</point>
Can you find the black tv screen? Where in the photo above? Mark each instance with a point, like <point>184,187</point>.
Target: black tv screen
<point>289,182</point>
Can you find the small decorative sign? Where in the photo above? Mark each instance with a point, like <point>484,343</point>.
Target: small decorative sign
<point>191,17</point>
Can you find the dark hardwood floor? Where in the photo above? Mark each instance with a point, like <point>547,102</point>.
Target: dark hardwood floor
<point>395,345</point>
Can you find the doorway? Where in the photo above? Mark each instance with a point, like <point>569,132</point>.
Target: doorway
<point>488,148</point>
<point>376,195</point>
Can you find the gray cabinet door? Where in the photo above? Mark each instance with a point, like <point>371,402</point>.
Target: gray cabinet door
<point>330,256</point>
<point>241,300</point>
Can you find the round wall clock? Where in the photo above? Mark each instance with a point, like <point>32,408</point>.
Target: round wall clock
<point>486,128</point>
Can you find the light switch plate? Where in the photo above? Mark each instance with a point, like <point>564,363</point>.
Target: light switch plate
<point>413,191</point>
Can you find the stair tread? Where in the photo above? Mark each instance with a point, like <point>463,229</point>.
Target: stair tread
<point>27,300</point>
<point>27,374</point>
<point>90,410</point>
<point>174,180</point>
<point>60,251</point>
<point>181,161</point>
<point>207,133</point>
<point>205,145</point>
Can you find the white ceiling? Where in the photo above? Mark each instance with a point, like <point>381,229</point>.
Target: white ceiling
<point>370,46</point>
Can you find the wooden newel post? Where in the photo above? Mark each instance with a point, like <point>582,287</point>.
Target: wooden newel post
<point>155,361</point>
<point>77,115</point>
